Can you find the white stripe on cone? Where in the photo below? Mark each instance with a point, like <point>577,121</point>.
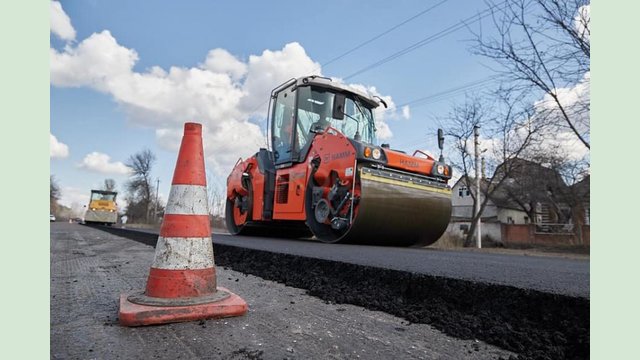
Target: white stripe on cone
<point>183,253</point>
<point>187,200</point>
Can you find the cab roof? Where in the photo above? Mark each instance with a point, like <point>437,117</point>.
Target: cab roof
<point>319,81</point>
<point>104,192</point>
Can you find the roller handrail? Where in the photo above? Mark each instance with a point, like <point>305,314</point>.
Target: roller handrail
<point>423,153</point>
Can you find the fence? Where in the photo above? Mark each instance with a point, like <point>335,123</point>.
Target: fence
<point>547,234</point>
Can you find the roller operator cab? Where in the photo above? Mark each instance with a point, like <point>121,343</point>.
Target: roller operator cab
<point>325,176</point>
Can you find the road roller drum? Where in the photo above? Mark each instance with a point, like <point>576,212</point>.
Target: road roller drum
<point>399,210</point>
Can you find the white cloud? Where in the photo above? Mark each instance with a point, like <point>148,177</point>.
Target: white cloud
<point>383,131</point>
<point>57,149</point>
<point>382,114</point>
<point>101,163</point>
<point>98,62</point>
<point>575,101</point>
<point>406,112</point>
<point>223,146</point>
<point>221,61</point>
<point>270,69</point>
<point>223,93</point>
<point>233,140</point>
<point>74,198</point>
<point>565,145</point>
<point>60,22</point>
<point>546,142</point>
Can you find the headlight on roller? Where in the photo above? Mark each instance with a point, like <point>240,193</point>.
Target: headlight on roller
<point>367,152</point>
<point>440,169</point>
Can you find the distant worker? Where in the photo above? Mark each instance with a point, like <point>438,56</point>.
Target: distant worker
<point>124,220</point>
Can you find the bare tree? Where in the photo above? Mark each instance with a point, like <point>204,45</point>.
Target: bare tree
<point>508,128</point>
<point>572,191</point>
<point>543,46</point>
<point>109,185</point>
<point>139,186</point>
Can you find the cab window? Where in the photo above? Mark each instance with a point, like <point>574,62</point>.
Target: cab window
<point>314,112</point>
<point>283,122</point>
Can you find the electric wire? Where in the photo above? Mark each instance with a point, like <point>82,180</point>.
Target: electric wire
<point>429,39</point>
<point>376,37</point>
<point>474,85</point>
<point>366,42</point>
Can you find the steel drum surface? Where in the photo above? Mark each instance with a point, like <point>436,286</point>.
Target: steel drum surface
<point>398,215</point>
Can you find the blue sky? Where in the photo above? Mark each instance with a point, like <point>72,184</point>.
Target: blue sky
<point>125,75</point>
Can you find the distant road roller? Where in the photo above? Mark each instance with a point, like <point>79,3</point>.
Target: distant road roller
<point>324,176</point>
<point>102,208</point>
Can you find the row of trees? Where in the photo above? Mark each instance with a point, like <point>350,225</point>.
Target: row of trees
<point>542,55</point>
<point>143,202</point>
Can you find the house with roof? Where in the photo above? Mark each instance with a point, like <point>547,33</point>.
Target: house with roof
<point>531,196</point>
<point>500,209</point>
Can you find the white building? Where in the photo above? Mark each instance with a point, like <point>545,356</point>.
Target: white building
<point>498,210</point>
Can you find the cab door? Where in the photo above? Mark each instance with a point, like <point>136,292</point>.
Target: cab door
<point>290,176</point>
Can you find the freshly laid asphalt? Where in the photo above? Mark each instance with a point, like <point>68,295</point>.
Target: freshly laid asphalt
<point>554,275</point>
<point>90,268</point>
<point>563,276</point>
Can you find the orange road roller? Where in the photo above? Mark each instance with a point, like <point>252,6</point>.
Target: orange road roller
<point>324,175</point>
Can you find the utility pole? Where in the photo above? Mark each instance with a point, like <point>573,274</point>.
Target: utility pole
<point>155,205</point>
<point>476,141</point>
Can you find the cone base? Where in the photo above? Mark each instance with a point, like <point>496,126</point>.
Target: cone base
<point>132,314</point>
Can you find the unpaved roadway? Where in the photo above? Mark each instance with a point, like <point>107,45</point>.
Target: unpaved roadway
<point>90,268</point>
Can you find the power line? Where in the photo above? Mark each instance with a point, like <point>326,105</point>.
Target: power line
<point>452,91</point>
<point>367,42</point>
<point>413,47</point>
<point>383,33</point>
<point>451,29</point>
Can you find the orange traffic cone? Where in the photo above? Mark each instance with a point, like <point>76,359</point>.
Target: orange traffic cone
<point>182,280</point>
